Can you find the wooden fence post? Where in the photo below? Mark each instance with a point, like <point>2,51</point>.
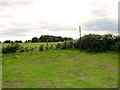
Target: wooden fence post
<point>47,45</point>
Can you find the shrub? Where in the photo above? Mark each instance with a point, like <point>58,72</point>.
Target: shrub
<point>12,47</point>
<point>69,44</point>
<point>76,44</point>
<point>54,47</point>
<point>51,47</point>
<point>58,46</point>
<point>97,43</point>
<point>21,49</point>
<point>115,47</point>
<point>64,45</point>
<point>41,48</point>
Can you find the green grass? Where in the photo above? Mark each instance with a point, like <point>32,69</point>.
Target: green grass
<point>60,69</point>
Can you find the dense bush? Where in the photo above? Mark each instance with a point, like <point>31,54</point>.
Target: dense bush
<point>58,46</point>
<point>64,44</point>
<point>76,44</point>
<point>115,47</point>
<point>51,47</point>
<point>41,48</point>
<point>12,47</point>
<point>69,44</point>
<point>99,43</point>
<point>25,49</point>
<point>92,42</point>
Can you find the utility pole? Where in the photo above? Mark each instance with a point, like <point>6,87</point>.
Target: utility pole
<point>80,38</point>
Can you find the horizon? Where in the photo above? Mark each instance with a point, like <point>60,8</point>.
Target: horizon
<point>22,20</point>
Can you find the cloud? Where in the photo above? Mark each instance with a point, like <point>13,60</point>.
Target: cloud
<point>104,24</point>
<point>105,8</point>
<point>100,13</point>
<point>44,25</point>
<point>28,18</point>
<point>14,32</point>
<point>13,4</point>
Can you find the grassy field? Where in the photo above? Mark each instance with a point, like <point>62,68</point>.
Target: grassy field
<point>60,69</point>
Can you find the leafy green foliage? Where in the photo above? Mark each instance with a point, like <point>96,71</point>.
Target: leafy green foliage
<point>90,43</point>
<point>18,41</point>
<point>99,43</point>
<point>115,47</point>
<point>51,47</point>
<point>35,39</point>
<point>12,47</point>
<point>58,46</point>
<point>69,44</point>
<point>64,44</point>
<point>41,48</point>
<point>44,38</point>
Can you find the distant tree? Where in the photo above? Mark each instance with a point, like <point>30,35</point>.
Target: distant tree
<point>44,38</point>
<point>18,41</point>
<point>7,41</point>
<point>29,41</point>
<point>26,41</point>
<point>34,39</point>
<point>65,38</point>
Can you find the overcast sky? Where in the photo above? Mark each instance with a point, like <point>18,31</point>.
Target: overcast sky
<point>24,19</point>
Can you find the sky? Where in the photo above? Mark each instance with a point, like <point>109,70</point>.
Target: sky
<point>24,19</point>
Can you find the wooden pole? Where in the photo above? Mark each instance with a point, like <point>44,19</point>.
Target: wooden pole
<point>80,38</point>
<point>47,45</point>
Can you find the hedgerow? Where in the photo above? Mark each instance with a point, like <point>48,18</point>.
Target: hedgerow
<point>90,43</point>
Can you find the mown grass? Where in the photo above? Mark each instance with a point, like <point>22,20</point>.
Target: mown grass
<point>60,69</point>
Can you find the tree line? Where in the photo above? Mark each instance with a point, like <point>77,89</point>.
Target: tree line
<point>43,38</point>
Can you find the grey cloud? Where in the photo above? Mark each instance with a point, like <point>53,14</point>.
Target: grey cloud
<point>14,32</point>
<point>102,9</point>
<point>100,13</point>
<point>63,28</point>
<point>103,24</point>
<point>53,27</point>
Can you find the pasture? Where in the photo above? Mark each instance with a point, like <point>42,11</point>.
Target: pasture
<point>59,69</point>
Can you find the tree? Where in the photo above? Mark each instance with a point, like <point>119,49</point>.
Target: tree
<point>7,41</point>
<point>34,39</point>
<point>18,41</point>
